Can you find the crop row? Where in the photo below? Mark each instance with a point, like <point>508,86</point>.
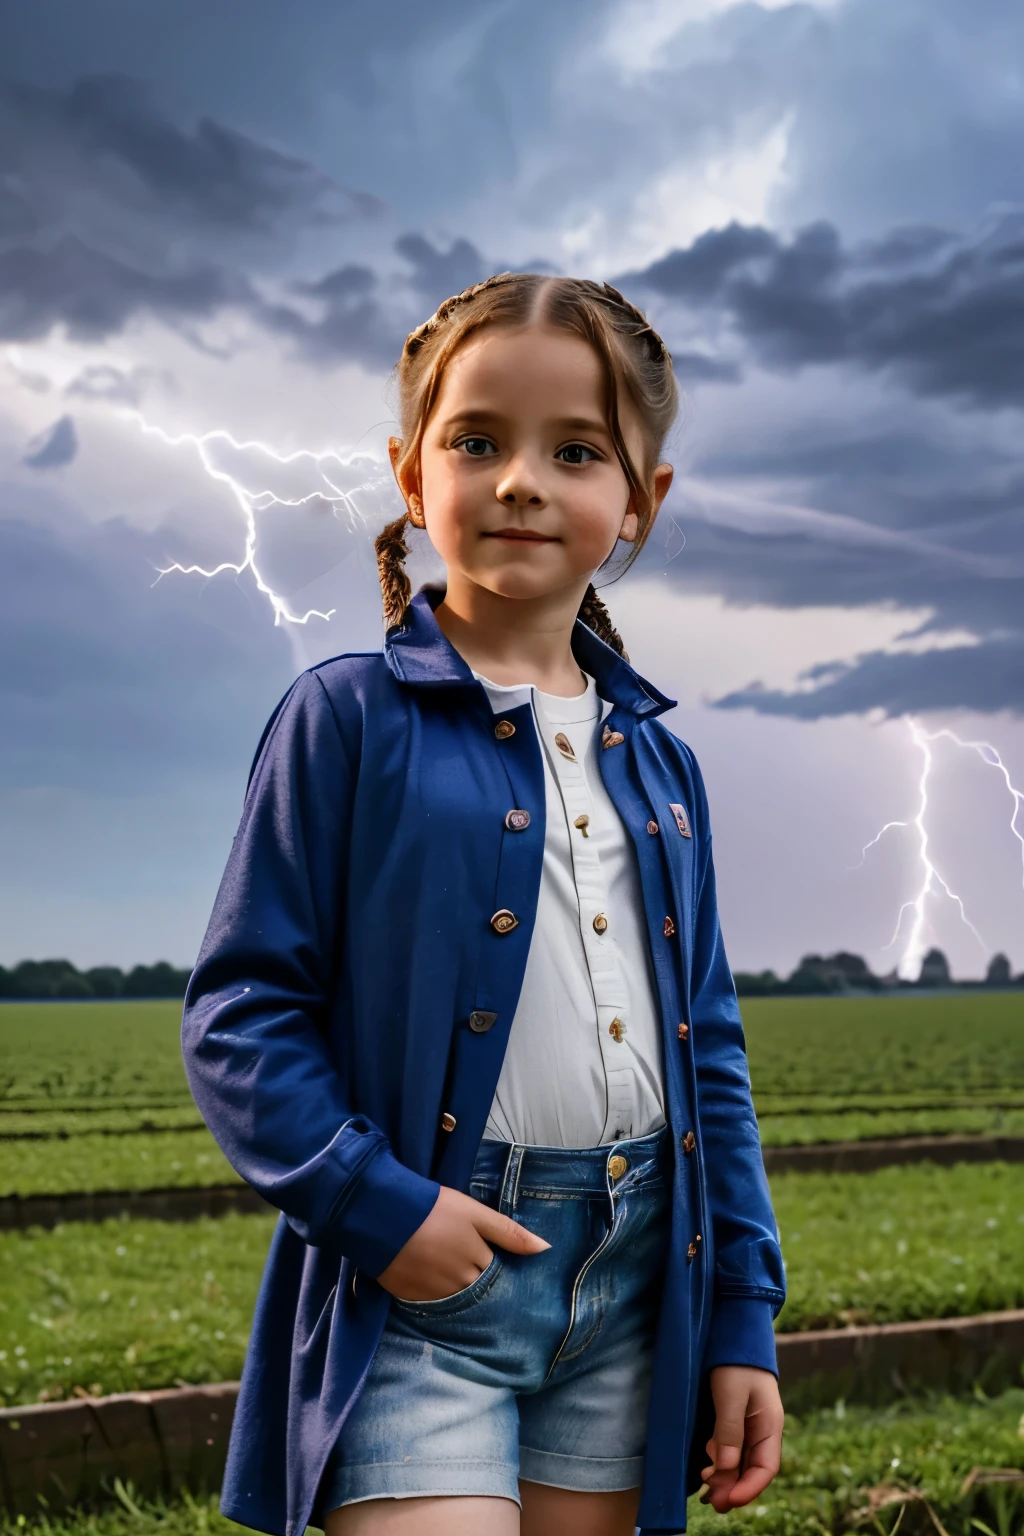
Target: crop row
<point>131,1304</point>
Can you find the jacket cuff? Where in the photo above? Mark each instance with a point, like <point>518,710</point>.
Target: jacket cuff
<point>741,1333</point>
<point>377,1218</point>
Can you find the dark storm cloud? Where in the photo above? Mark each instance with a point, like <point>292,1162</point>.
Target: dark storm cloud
<point>944,315</point>
<point>107,682</point>
<point>985,677</point>
<point>95,295</point>
<point>57,446</point>
<point>108,130</point>
<point>110,210</point>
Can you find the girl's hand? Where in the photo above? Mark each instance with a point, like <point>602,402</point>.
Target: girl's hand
<point>449,1250</point>
<point>746,1447</point>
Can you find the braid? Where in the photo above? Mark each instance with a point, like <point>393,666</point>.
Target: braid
<point>595,616</point>
<point>416,338</point>
<point>392,549</point>
<point>613,299</point>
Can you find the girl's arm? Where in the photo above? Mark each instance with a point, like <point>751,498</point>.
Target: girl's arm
<point>749,1279</point>
<point>254,1033</point>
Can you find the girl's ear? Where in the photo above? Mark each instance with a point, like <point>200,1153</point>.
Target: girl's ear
<point>630,523</point>
<point>408,480</point>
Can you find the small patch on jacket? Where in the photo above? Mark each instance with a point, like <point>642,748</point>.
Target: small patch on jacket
<point>681,820</point>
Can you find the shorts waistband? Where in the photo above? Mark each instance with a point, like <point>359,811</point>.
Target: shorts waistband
<point>580,1169</point>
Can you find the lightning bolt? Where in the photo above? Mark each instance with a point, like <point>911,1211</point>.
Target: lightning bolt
<point>250,501</point>
<point>932,882</point>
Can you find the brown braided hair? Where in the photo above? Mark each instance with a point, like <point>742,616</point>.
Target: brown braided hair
<point>633,357</point>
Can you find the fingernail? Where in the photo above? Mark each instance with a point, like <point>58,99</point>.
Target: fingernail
<point>704,1490</point>
<point>544,1244</point>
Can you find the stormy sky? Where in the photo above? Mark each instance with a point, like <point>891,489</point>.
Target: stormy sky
<point>225,218</point>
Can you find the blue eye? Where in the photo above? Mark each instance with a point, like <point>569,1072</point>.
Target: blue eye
<point>576,453</point>
<point>476,447</point>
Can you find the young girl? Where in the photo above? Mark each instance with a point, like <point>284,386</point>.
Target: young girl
<point>463,1013</point>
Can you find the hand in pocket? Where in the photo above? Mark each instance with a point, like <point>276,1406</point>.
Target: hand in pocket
<point>450,1249</point>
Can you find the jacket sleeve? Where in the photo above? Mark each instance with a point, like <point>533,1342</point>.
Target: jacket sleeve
<point>254,1033</point>
<point>749,1277</point>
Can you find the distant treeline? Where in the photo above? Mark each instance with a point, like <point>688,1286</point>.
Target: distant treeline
<point>815,976</point>
<point>826,975</point>
<point>37,980</point>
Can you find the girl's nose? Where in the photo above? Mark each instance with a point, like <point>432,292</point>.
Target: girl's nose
<point>520,486</point>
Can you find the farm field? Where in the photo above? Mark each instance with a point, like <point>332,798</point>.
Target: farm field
<point>126,1304</point>
<point>838,1467</point>
<point>156,1160</point>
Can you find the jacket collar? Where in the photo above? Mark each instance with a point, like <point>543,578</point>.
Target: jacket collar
<point>420,654</point>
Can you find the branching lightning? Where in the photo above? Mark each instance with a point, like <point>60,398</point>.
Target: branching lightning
<point>251,502</point>
<point>932,882</point>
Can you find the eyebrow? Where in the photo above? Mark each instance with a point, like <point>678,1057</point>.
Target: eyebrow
<point>589,424</point>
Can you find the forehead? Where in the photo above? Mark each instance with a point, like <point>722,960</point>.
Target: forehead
<point>524,370</point>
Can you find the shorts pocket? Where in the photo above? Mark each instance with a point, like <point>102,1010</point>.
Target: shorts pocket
<point>445,1306</point>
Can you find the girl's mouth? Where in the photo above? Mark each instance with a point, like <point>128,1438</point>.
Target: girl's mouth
<point>521,536</point>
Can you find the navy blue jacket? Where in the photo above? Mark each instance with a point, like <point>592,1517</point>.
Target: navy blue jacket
<point>326,1033</point>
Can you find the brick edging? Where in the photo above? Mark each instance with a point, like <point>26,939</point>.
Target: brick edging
<point>163,1441</point>
<point>863,1156</point>
<point>18,1211</point>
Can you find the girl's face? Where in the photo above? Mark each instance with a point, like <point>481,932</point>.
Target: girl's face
<point>519,485</point>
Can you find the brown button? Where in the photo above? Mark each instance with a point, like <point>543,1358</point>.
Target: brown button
<point>610,738</point>
<point>504,921</point>
<point>617,1166</point>
<point>504,729</point>
<point>669,929</point>
<point>617,1029</point>
<point>600,923</point>
<point>517,821</point>
<point>564,746</point>
<point>684,1030</point>
<point>480,1021</point>
<point>681,820</point>
<point>689,1142</point>
<point>691,1253</point>
<point>583,822</point>
<point>652,827</point>
<point>448,1122</point>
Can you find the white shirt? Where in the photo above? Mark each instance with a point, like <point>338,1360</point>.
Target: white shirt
<point>583,1065</point>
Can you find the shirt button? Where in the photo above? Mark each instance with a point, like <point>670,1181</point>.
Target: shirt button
<point>583,822</point>
<point>689,1142</point>
<point>504,729</point>
<point>504,921</point>
<point>684,1030</point>
<point>617,1029</point>
<point>669,928</point>
<point>517,821</point>
<point>617,1166</point>
<point>480,1021</point>
<point>652,827</point>
<point>564,746</point>
<point>600,923</point>
<point>448,1122</point>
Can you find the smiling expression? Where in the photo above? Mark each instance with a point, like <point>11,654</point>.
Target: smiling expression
<point>519,484</point>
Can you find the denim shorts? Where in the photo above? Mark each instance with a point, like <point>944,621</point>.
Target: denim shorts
<point>541,1368</point>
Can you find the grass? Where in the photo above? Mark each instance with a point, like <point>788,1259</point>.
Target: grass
<point>124,1304</point>
<point>99,1055</point>
<point>154,1160</point>
<point>901,1243</point>
<point>954,1045</point>
<point>863,1125</point>
<point>843,1470</point>
<point>121,1305</point>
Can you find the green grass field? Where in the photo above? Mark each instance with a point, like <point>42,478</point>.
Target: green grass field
<point>77,1078</point>
<point>129,1304</point>
<point>845,1469</point>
